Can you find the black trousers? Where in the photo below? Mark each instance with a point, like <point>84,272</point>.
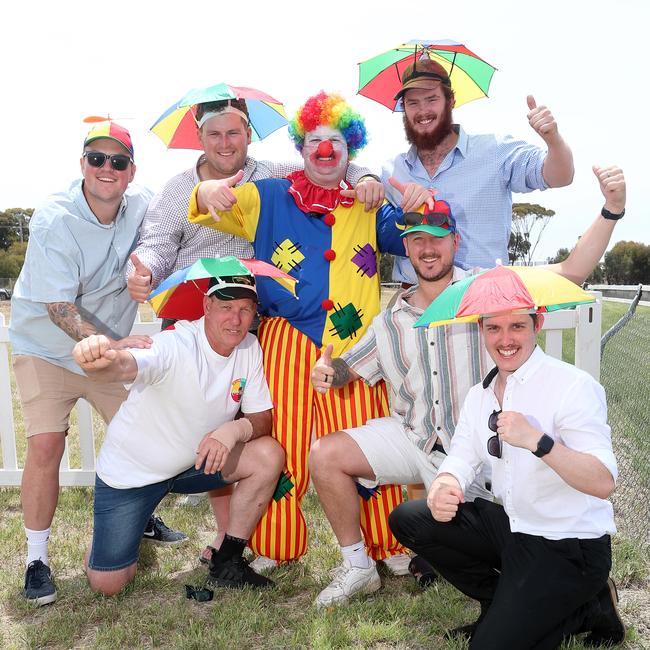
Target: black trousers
<point>533,591</point>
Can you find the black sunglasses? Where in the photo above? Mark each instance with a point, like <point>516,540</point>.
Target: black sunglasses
<point>119,161</point>
<point>431,219</point>
<point>494,445</point>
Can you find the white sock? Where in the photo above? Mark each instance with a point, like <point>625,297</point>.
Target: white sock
<point>356,555</point>
<point>37,545</point>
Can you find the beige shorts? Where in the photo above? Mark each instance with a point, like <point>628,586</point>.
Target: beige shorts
<point>48,393</point>
<point>396,460</point>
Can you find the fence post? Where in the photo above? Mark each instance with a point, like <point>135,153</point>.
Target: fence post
<point>588,336</point>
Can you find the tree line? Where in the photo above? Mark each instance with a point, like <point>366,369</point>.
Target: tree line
<point>627,262</point>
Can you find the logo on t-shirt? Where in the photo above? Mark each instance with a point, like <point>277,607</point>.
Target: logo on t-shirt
<point>237,389</point>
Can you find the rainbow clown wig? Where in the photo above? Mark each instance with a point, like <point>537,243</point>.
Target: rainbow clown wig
<point>333,111</point>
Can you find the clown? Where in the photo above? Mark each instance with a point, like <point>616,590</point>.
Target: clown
<point>311,226</point>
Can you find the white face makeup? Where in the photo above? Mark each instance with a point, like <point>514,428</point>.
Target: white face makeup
<point>325,154</point>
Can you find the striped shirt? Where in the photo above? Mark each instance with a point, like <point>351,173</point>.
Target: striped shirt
<point>168,241</point>
<point>429,371</point>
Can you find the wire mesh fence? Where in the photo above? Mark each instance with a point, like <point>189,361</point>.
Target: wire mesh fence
<point>625,374</point>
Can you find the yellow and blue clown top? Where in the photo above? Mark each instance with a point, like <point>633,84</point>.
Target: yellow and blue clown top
<point>330,244</point>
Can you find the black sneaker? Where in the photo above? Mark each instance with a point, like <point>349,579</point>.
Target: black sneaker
<point>39,588</point>
<point>158,533</point>
<point>608,629</point>
<point>235,574</point>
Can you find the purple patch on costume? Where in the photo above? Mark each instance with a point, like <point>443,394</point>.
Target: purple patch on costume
<point>366,260</point>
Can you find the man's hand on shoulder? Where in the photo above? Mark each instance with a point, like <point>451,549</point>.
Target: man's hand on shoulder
<point>368,191</point>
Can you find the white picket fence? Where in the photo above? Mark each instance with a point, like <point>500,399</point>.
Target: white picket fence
<point>585,320</point>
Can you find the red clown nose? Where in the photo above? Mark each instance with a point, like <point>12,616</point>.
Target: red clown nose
<point>325,149</point>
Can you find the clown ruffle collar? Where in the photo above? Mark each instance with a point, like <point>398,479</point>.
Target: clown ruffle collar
<point>313,198</point>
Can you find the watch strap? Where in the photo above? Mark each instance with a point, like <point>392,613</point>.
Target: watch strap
<point>544,445</point>
<point>611,215</point>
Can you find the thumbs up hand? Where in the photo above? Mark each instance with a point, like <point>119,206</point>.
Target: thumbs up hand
<point>139,281</point>
<point>413,195</point>
<point>323,372</point>
<point>216,196</point>
<point>541,120</point>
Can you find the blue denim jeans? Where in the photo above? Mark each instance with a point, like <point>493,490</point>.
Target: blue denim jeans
<point>120,516</point>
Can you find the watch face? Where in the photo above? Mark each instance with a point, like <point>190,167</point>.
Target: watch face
<point>544,445</point>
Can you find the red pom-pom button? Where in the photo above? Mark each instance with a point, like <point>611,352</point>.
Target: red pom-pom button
<point>327,304</point>
<point>329,220</point>
<point>329,255</point>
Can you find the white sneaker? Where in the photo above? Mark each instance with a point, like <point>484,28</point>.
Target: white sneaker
<point>348,581</point>
<point>398,565</point>
<point>263,564</point>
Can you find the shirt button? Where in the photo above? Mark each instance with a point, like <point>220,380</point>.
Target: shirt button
<point>432,343</point>
<point>437,401</point>
<point>329,255</point>
<point>327,304</point>
<point>438,428</point>
<point>435,372</point>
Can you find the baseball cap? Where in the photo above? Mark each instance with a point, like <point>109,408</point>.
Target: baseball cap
<point>232,287</point>
<point>438,222</point>
<point>111,131</point>
<point>423,73</point>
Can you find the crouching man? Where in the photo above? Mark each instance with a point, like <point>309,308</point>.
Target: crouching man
<point>538,559</point>
<point>177,432</point>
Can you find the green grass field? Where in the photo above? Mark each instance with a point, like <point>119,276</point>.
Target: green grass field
<point>153,612</point>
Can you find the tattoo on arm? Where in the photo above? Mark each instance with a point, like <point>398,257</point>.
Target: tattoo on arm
<point>66,316</point>
<point>341,372</point>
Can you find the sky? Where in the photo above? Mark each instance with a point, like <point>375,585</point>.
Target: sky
<point>62,61</point>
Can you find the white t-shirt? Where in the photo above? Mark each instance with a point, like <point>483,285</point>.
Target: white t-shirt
<point>182,391</point>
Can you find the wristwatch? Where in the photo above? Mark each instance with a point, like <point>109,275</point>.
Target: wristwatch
<point>544,445</point>
<point>610,215</point>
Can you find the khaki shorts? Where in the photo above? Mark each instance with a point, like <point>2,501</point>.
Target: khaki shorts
<point>48,393</point>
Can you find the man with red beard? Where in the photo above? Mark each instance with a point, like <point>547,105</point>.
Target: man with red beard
<point>475,174</point>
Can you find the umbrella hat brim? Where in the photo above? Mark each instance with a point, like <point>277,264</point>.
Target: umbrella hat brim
<point>505,289</point>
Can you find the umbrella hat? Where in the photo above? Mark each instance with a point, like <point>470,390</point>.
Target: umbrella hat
<point>503,289</point>
<point>380,77</point>
<point>176,127</point>
<point>181,295</point>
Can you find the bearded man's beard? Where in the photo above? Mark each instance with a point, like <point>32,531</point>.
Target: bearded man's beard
<point>432,276</point>
<point>429,141</point>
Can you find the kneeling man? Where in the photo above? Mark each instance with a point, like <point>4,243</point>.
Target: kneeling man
<point>176,432</point>
<point>538,559</point>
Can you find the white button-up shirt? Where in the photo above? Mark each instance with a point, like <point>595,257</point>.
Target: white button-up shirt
<point>565,403</point>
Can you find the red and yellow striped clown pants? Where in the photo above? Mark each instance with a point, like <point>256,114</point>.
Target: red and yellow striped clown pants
<point>289,356</point>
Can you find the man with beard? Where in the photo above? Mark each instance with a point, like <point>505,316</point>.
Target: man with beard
<point>475,174</point>
<point>429,373</point>
<point>311,226</point>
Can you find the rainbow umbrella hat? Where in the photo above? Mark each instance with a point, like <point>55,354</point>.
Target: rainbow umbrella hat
<point>180,296</point>
<point>176,127</point>
<point>380,78</point>
<point>503,289</point>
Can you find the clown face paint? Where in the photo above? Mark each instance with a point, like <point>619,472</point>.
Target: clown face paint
<point>325,153</point>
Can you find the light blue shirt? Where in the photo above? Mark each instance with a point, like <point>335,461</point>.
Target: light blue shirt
<point>477,178</point>
<point>72,257</point>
